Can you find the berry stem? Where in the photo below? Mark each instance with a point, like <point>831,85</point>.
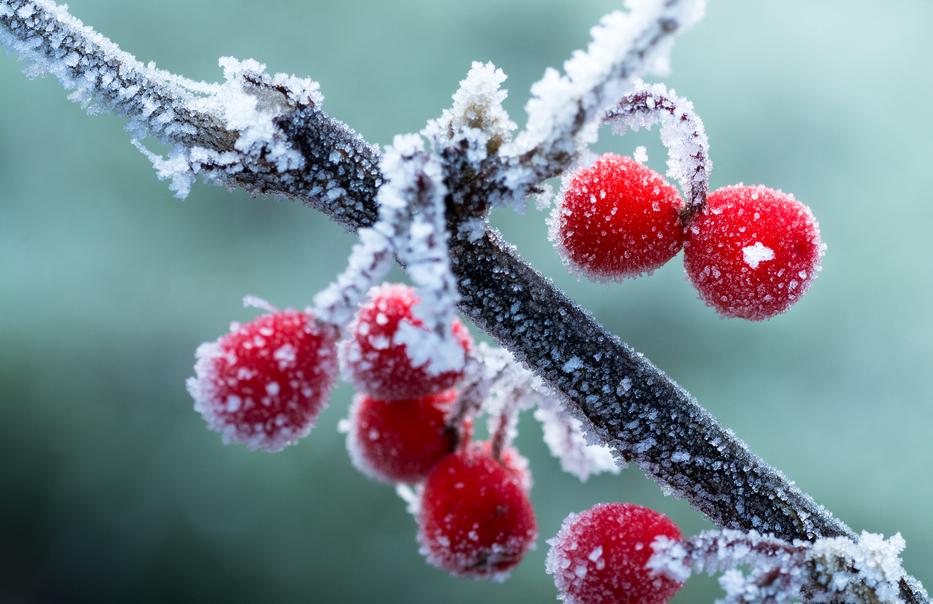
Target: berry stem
<point>505,423</point>
<point>474,387</point>
<point>499,436</point>
<point>682,132</point>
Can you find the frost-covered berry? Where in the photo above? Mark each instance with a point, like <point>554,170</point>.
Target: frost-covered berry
<point>617,218</point>
<point>475,518</point>
<point>264,383</point>
<point>600,556</point>
<point>400,441</point>
<point>753,251</point>
<point>377,358</point>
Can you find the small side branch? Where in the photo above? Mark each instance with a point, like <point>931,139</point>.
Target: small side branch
<point>759,569</point>
<point>565,110</point>
<point>682,132</point>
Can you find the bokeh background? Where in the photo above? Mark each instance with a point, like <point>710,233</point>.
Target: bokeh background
<point>111,490</point>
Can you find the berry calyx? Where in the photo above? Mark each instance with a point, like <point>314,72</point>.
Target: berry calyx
<point>264,383</point>
<point>400,441</point>
<point>617,218</point>
<point>376,355</point>
<point>475,518</point>
<point>752,252</point>
<point>600,556</point>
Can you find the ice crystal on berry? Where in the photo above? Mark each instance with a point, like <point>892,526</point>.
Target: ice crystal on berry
<point>379,357</point>
<point>264,383</point>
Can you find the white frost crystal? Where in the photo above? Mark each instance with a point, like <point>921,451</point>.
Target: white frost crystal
<point>372,256</point>
<point>564,436</point>
<point>507,387</point>
<point>477,117</point>
<point>756,254</point>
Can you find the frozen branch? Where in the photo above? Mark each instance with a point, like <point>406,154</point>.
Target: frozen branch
<point>226,132</point>
<point>268,134</point>
<point>863,570</point>
<point>374,254</point>
<point>565,111</point>
<point>505,387</point>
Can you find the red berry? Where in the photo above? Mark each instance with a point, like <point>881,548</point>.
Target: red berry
<point>379,363</point>
<point>600,556</point>
<point>265,382</point>
<point>752,252</point>
<point>618,219</point>
<point>400,441</point>
<point>476,519</point>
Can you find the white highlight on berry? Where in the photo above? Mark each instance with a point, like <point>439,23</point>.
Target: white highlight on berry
<point>756,254</point>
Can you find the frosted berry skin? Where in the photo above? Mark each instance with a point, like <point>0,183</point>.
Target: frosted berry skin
<point>476,519</point>
<point>600,556</point>
<point>379,365</point>
<point>264,383</point>
<point>752,252</point>
<point>617,218</point>
<point>400,441</point>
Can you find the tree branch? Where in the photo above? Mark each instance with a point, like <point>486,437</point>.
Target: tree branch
<point>628,402</point>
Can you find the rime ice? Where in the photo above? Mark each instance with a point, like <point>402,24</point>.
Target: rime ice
<point>242,131</point>
<point>565,110</point>
<point>372,256</point>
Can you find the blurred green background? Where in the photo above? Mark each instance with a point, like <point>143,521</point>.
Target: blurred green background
<point>111,489</point>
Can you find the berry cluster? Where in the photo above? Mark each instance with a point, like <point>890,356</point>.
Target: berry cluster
<point>475,517</point>
<point>265,382</point>
<point>751,252</point>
